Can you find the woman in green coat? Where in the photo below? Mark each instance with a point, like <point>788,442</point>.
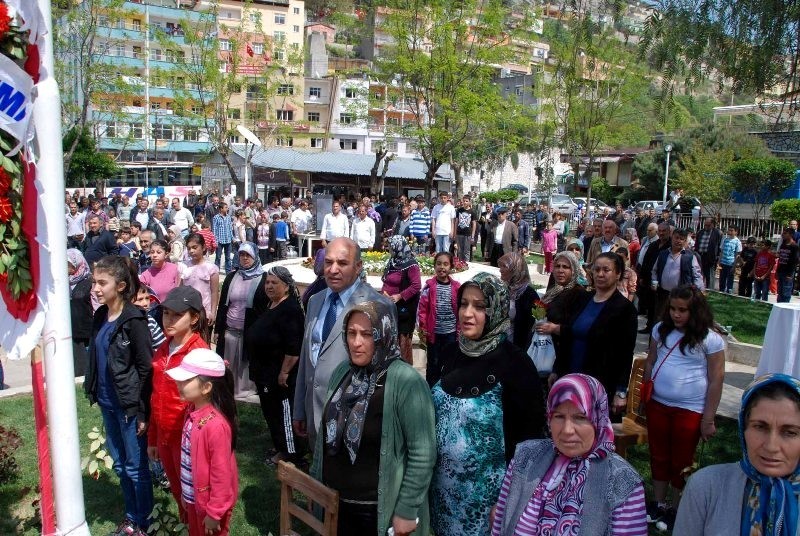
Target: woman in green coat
<point>378,442</point>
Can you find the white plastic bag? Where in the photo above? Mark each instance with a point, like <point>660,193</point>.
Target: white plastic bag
<point>542,352</point>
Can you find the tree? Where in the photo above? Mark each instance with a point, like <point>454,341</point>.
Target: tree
<point>762,179</point>
<point>751,44</point>
<point>785,210</point>
<point>89,167</point>
<point>444,54</point>
<point>704,174</point>
<point>82,42</point>
<point>604,191</point>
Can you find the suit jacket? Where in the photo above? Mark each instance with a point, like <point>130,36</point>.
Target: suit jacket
<point>95,246</point>
<point>595,249</point>
<point>312,381</point>
<point>510,238</point>
<point>712,254</point>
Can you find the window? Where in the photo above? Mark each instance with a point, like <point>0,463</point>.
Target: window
<point>390,146</point>
<point>348,144</point>
<point>179,82</point>
<point>279,37</point>
<point>296,11</point>
<point>234,113</point>
<point>258,48</point>
<point>111,130</point>
<point>137,132</point>
<point>313,117</point>
<point>295,46</point>
<point>394,121</point>
<point>350,92</point>
<point>280,18</point>
<point>279,54</point>
<point>296,28</point>
<point>137,51</point>
<point>254,17</point>
<point>233,139</point>
<point>119,50</point>
<point>284,142</point>
<point>346,119</point>
<point>163,132</point>
<point>191,133</point>
<point>315,92</point>
<point>102,21</point>
<point>197,110</point>
<point>224,44</point>
<point>155,55</point>
<point>518,91</point>
<point>316,143</point>
<point>284,115</point>
<point>137,25</point>
<point>286,89</point>
<point>155,105</point>
<point>253,115</point>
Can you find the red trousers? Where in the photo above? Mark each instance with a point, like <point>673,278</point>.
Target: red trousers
<point>196,522</point>
<point>673,434</point>
<point>170,456</point>
<point>548,262</point>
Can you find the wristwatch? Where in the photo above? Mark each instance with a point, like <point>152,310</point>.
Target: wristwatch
<point>622,395</point>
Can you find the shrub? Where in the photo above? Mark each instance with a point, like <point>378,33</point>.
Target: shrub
<point>785,210</point>
<point>9,443</point>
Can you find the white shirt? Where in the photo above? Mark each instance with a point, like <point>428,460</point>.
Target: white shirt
<point>301,220</point>
<point>363,232</point>
<point>143,218</point>
<point>443,216</point>
<point>182,218</point>
<point>75,224</point>
<point>682,381</point>
<point>498,233</point>
<point>335,226</point>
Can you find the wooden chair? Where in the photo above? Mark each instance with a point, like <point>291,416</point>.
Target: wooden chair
<point>633,428</point>
<point>317,496</point>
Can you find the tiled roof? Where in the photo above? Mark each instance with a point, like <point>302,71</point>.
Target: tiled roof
<point>340,163</point>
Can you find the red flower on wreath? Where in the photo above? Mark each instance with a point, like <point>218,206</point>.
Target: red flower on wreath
<point>5,181</point>
<point>6,210</point>
<point>5,20</point>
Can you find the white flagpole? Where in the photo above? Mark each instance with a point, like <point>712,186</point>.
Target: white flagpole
<point>62,418</point>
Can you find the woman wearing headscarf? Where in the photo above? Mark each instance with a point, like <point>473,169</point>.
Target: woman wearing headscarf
<point>378,443</point>
<point>514,272</point>
<point>80,308</point>
<point>759,494</point>
<point>488,400</point>
<point>177,247</point>
<point>242,300</point>
<point>402,284</point>
<point>560,300</point>
<point>549,483</point>
<point>574,246</point>
<point>273,344</point>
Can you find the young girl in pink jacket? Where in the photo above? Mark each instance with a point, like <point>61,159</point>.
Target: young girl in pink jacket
<point>208,472</point>
<point>549,245</point>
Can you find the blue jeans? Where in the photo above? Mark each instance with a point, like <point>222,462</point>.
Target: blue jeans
<point>761,289</point>
<point>785,286</point>
<point>442,243</point>
<point>422,244</point>
<point>227,249</point>
<point>726,278</point>
<point>129,453</point>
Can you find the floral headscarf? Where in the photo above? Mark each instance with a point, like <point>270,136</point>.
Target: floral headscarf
<point>557,289</point>
<point>347,409</point>
<point>770,505</point>
<point>401,256</point>
<point>520,276</point>
<point>561,497</point>
<point>495,293</point>
<point>254,271</point>
<point>77,260</point>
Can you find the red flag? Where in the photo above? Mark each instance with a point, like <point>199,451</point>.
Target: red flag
<point>249,50</point>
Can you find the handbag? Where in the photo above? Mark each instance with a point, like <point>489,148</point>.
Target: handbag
<point>542,352</point>
<point>646,389</point>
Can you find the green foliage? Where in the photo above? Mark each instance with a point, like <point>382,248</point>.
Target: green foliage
<point>98,456</point>
<point>704,174</point>
<point>603,191</point>
<point>785,210</point>
<point>750,44</point>
<point>88,166</point>
<point>763,179</point>
<point>164,522</point>
<point>500,196</point>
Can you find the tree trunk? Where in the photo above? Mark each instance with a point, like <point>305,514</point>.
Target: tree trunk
<point>459,180</point>
<point>380,154</point>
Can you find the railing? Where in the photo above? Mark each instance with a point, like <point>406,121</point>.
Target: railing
<point>747,226</point>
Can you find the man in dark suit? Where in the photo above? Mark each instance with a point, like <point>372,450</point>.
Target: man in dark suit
<point>98,242</point>
<point>707,245</point>
<point>502,237</point>
<point>323,347</point>
<point>647,295</point>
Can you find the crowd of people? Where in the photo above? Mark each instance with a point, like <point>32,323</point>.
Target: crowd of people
<point>485,442</point>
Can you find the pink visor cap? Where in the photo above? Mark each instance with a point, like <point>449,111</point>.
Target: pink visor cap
<point>198,362</point>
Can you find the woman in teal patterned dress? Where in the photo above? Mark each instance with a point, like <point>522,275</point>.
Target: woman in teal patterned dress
<point>488,399</point>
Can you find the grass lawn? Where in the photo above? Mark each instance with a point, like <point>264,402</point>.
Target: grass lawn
<point>749,319</point>
<point>535,258</point>
<point>256,513</point>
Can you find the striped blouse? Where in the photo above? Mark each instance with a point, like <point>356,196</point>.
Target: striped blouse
<point>628,519</point>
<point>187,484</point>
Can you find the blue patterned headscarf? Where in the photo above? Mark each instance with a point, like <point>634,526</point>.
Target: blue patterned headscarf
<point>496,296</point>
<point>770,506</point>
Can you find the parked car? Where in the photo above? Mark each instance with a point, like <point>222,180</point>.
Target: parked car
<point>599,206</point>
<point>686,205</point>
<point>563,204</point>
<point>518,187</point>
<point>649,205</point>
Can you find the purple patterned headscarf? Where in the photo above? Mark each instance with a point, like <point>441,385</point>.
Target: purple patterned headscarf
<point>561,491</point>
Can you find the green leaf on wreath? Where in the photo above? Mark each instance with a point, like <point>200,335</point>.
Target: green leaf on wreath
<point>14,231</point>
<point>12,243</point>
<point>2,229</point>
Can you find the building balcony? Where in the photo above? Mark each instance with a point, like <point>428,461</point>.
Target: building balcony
<point>166,9</point>
<point>161,146</point>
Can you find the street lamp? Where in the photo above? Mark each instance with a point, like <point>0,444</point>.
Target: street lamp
<point>248,154</point>
<point>668,150</point>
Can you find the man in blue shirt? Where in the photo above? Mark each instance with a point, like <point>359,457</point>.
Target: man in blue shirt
<point>222,227</point>
<point>421,224</point>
